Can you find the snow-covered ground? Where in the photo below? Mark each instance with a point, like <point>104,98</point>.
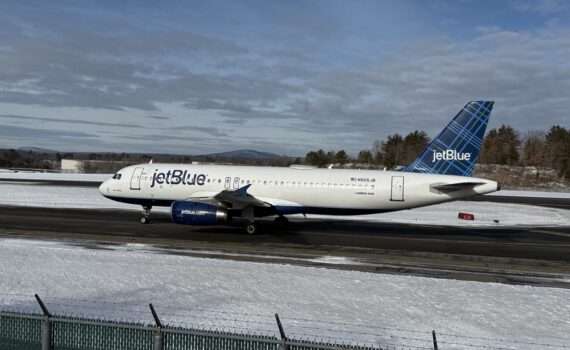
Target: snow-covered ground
<point>118,282</point>
<point>444,214</point>
<point>533,194</point>
<point>31,194</point>
<point>9,174</point>
<point>487,214</point>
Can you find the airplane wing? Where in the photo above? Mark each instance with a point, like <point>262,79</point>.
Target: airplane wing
<point>239,199</point>
<point>459,186</point>
<point>232,199</point>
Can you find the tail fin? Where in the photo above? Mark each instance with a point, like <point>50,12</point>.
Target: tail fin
<point>456,149</point>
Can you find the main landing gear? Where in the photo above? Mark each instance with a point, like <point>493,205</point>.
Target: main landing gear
<point>251,228</point>
<point>145,218</point>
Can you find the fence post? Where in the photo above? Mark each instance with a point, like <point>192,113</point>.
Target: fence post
<point>46,325</point>
<point>158,336</point>
<point>434,340</point>
<point>284,345</point>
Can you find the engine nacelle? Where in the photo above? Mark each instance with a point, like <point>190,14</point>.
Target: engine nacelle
<point>196,213</point>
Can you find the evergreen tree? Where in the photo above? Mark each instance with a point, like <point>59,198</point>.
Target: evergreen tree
<point>341,157</point>
<point>365,157</point>
<point>558,150</point>
<point>393,150</point>
<point>414,143</point>
<point>533,150</point>
<point>501,146</point>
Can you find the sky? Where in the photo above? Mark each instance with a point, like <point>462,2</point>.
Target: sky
<point>194,77</point>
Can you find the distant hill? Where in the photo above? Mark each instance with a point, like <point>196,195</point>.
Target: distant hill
<point>36,149</point>
<point>42,158</point>
<point>237,154</point>
<point>243,154</point>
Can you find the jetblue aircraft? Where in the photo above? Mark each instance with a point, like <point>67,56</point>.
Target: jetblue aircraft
<point>217,194</point>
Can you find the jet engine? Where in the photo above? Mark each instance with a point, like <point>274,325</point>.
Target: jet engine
<point>197,213</point>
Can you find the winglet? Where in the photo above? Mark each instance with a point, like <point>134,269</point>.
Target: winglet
<point>242,191</point>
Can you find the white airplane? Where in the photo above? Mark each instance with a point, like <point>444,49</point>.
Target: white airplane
<point>217,194</point>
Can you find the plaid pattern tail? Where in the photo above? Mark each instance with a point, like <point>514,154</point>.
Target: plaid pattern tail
<point>456,149</point>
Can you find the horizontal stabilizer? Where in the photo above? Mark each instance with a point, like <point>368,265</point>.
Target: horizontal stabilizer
<point>456,186</point>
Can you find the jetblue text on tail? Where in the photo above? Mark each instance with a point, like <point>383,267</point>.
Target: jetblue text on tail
<point>450,154</point>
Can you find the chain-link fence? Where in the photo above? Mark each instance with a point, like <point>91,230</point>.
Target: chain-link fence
<point>23,331</point>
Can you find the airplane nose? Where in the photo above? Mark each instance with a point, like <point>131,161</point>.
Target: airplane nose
<point>103,187</point>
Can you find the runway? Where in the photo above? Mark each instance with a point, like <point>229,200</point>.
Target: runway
<point>539,256</point>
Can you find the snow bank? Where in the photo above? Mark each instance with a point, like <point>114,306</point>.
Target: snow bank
<point>30,194</point>
<point>54,176</point>
<point>119,282</point>
<point>533,194</point>
<point>487,214</point>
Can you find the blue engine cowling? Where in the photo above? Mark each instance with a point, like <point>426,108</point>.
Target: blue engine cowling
<point>196,213</point>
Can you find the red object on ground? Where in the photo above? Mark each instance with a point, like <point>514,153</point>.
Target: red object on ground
<point>466,216</point>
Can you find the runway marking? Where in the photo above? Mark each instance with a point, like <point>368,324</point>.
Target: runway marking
<point>554,233</point>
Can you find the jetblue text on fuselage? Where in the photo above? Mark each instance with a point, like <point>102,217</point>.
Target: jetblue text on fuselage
<point>177,177</point>
<point>450,154</point>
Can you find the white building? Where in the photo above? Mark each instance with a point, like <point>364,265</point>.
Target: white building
<point>71,166</point>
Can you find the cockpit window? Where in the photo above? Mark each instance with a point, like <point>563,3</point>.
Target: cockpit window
<point>117,176</point>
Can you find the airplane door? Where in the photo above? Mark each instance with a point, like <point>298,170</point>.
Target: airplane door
<point>236,183</point>
<point>136,179</point>
<point>228,183</point>
<point>397,193</point>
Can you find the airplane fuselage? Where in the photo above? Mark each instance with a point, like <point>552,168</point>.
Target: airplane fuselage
<point>290,190</point>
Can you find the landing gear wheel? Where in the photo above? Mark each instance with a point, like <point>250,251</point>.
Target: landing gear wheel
<point>251,228</point>
<point>145,219</point>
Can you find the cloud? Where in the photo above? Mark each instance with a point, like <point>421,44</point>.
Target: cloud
<point>157,117</point>
<point>17,132</point>
<point>211,131</point>
<point>67,121</point>
<point>542,7</point>
<point>281,78</point>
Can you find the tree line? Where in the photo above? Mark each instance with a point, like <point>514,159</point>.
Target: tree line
<point>503,146</point>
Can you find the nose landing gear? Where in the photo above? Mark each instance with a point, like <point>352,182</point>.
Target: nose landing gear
<point>145,218</point>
